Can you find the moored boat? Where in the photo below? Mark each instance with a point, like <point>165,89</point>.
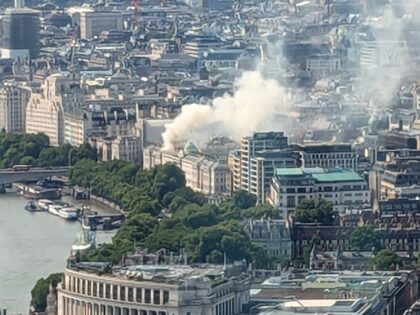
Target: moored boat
<point>31,206</point>
<point>68,213</point>
<point>44,203</point>
<point>54,209</point>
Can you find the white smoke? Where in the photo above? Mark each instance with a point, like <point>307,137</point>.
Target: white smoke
<point>253,107</point>
<point>392,57</point>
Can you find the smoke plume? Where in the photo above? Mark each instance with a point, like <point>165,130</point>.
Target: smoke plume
<point>386,40</point>
<point>253,107</point>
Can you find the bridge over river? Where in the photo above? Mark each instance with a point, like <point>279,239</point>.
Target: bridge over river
<point>9,175</point>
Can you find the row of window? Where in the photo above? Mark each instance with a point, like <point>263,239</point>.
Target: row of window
<point>74,307</point>
<point>117,292</point>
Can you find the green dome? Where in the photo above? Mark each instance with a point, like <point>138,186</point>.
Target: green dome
<point>190,148</point>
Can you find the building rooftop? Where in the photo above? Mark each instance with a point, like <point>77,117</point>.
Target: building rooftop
<point>312,292</point>
<point>320,174</point>
<point>338,176</point>
<point>174,274</point>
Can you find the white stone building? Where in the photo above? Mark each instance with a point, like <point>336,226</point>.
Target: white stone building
<point>13,101</point>
<point>45,110</point>
<point>204,174</point>
<point>126,148</point>
<point>152,290</point>
<point>345,189</point>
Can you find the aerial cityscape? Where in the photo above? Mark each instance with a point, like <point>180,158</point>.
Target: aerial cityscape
<point>210,157</point>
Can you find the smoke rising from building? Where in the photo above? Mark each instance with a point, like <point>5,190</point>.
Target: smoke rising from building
<point>385,53</point>
<point>253,107</point>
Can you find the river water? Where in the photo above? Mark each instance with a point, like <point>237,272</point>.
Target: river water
<point>32,246</point>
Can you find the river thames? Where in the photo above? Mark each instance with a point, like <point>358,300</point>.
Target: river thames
<point>33,245</point>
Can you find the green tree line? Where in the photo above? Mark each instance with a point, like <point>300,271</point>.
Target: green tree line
<point>35,150</point>
<point>164,213</point>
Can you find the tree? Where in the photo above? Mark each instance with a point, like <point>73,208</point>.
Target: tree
<point>260,211</point>
<point>40,291</point>
<point>365,238</point>
<point>314,211</point>
<point>386,260</point>
<point>244,200</point>
<point>205,231</point>
<point>27,160</point>
<point>136,228</point>
<point>239,201</point>
<point>168,178</point>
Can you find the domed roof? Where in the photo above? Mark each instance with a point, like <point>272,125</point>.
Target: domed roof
<point>190,148</point>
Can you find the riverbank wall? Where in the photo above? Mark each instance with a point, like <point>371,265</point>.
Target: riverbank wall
<point>108,203</point>
<point>86,194</point>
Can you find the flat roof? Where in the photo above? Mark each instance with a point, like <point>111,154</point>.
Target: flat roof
<point>320,174</point>
<point>338,176</point>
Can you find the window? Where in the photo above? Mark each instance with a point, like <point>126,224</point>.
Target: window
<point>101,290</point>
<point>138,295</point>
<point>122,293</point>
<point>130,295</point>
<point>108,291</point>
<point>147,296</point>
<point>95,289</point>
<point>156,297</point>
<point>165,296</point>
<point>115,292</point>
<point>291,201</point>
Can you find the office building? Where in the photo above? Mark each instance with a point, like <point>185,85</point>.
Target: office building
<point>80,124</point>
<point>323,64</point>
<point>205,174</point>
<point>196,45</point>
<point>13,102</point>
<point>375,53</point>
<point>94,23</point>
<point>344,188</point>
<point>152,289</point>
<point>46,107</point>
<point>252,165</point>
<point>338,293</point>
<point>126,148</point>
<point>19,29</point>
<point>327,155</point>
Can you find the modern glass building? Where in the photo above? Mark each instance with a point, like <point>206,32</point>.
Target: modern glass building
<point>19,33</point>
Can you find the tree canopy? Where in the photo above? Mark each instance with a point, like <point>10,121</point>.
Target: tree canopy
<point>365,238</point>
<point>386,260</point>
<point>40,291</point>
<point>34,149</point>
<point>205,231</point>
<point>314,211</point>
